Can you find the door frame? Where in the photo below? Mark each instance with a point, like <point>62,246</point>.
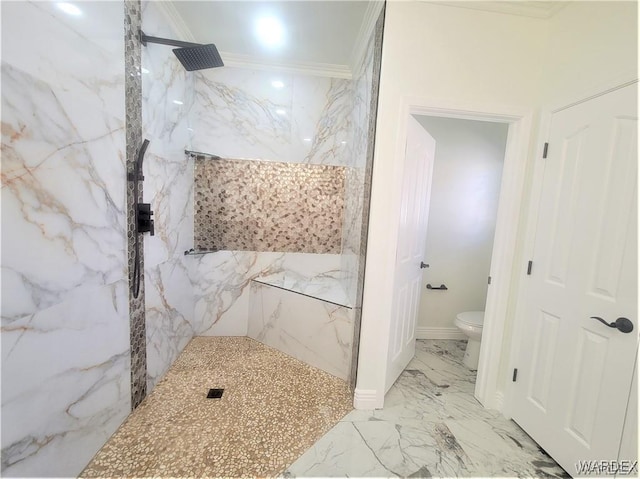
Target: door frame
<point>544,129</point>
<point>505,245</point>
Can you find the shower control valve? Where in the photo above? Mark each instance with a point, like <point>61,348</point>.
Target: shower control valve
<point>145,223</point>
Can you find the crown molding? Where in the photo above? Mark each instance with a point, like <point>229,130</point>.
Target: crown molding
<point>175,20</point>
<point>533,9</point>
<point>304,68</point>
<point>364,35</point>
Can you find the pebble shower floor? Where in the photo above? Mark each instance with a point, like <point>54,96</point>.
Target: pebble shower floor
<point>273,408</point>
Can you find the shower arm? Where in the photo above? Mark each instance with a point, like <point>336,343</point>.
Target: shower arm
<point>166,41</point>
<point>193,56</point>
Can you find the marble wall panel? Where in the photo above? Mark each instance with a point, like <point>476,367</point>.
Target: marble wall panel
<point>65,342</point>
<point>169,314</point>
<point>267,206</point>
<point>65,383</point>
<point>238,113</point>
<point>62,200</point>
<point>314,331</point>
<point>221,281</point>
<point>62,171</point>
<point>90,71</point>
<point>321,113</point>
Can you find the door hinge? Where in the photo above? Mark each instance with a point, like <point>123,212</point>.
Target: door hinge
<point>546,150</point>
<point>489,280</point>
<point>515,375</point>
<point>529,266</point>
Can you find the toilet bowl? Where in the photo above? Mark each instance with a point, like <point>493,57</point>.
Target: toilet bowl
<point>470,323</point>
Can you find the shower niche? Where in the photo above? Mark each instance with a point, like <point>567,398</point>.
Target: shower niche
<point>258,205</point>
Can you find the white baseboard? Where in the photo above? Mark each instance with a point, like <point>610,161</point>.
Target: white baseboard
<point>439,333</point>
<point>366,399</point>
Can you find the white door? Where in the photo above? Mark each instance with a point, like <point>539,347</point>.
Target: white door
<point>414,211</point>
<point>574,372</point>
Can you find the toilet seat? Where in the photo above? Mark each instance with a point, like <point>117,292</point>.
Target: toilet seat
<point>471,318</point>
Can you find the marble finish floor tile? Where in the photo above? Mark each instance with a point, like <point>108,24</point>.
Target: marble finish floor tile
<point>273,408</point>
<point>431,426</point>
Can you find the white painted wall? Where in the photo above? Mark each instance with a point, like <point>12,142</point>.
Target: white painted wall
<point>446,56</point>
<point>592,46</point>
<point>462,219</point>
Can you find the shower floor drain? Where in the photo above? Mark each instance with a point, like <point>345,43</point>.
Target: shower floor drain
<point>215,393</point>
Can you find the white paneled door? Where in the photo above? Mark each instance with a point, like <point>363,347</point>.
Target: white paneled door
<point>412,231</point>
<point>574,371</point>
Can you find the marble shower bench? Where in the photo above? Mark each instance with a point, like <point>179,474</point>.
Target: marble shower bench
<point>309,320</point>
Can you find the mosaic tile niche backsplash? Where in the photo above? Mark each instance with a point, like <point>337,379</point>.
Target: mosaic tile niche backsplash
<point>254,205</point>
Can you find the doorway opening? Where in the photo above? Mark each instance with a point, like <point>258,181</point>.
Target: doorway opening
<point>463,209</point>
<point>490,371</point>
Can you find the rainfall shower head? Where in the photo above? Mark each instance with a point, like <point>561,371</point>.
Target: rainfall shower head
<point>193,56</point>
<point>199,58</point>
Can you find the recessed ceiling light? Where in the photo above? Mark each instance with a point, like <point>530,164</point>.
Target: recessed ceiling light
<point>306,139</point>
<point>343,142</point>
<point>280,111</point>
<point>69,8</point>
<point>270,31</point>
<point>277,84</point>
<point>178,102</point>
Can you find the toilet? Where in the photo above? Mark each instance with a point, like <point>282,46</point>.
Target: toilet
<point>470,323</point>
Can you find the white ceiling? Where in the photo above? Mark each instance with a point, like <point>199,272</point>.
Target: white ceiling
<point>318,32</point>
<point>321,36</point>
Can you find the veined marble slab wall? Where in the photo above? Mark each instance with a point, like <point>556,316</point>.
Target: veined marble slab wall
<point>65,321</point>
<point>239,113</point>
<point>224,278</point>
<point>318,332</point>
<point>167,96</point>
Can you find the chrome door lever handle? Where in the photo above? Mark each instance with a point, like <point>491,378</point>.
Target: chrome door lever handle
<point>423,265</point>
<point>623,325</point>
